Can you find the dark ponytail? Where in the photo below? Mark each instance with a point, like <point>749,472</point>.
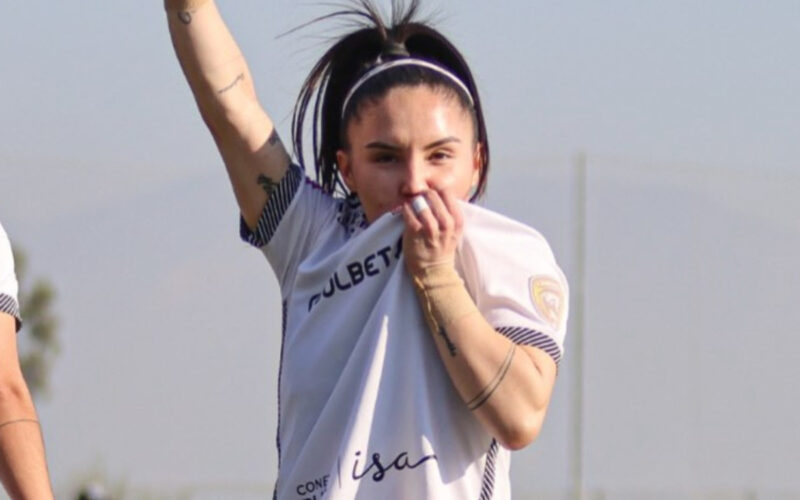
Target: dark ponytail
<point>353,55</point>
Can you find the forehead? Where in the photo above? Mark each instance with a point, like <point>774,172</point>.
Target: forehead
<point>419,111</point>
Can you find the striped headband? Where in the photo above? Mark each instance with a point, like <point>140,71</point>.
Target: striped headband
<point>407,61</point>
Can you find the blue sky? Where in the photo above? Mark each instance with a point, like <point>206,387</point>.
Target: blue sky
<point>688,112</point>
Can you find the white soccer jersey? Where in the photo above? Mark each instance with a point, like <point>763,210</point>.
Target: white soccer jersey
<point>8,280</point>
<point>366,408</point>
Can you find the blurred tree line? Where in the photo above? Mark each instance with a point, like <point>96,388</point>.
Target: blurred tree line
<point>38,346</point>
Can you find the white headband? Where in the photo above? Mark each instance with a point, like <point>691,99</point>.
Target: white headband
<point>380,68</point>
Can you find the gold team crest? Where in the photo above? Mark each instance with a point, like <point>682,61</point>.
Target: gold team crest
<point>548,299</point>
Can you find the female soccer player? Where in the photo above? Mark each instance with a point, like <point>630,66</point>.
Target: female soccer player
<point>421,333</point>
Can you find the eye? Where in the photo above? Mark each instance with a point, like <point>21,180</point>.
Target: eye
<point>441,155</point>
<point>384,158</point>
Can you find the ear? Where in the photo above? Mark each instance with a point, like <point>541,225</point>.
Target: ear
<point>477,164</point>
<point>345,170</point>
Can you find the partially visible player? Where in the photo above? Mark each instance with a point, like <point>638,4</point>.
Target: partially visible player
<point>23,468</point>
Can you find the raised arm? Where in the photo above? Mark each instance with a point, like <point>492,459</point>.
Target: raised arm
<point>223,88</point>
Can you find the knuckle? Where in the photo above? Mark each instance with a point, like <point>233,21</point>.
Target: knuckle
<point>449,225</point>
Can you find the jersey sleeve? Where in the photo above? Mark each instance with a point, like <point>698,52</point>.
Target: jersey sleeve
<point>292,219</point>
<point>8,280</point>
<point>516,283</point>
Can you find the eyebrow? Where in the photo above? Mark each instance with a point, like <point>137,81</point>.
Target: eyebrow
<point>391,147</point>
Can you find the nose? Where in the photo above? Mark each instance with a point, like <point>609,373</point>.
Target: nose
<point>415,177</point>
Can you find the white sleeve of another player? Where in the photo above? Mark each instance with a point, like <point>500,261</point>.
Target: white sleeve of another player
<point>8,280</point>
<point>515,281</point>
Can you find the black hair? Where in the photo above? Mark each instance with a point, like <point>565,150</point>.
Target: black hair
<point>357,52</point>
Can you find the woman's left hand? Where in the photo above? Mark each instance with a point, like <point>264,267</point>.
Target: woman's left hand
<point>432,232</point>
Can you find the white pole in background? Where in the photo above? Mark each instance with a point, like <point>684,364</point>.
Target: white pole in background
<point>577,321</point>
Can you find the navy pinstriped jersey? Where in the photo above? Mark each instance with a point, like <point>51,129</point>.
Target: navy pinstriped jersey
<point>8,280</point>
<point>366,408</point>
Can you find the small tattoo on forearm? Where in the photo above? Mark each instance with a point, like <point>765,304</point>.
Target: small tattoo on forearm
<point>273,138</point>
<point>185,16</point>
<point>235,82</point>
<point>268,185</point>
<point>484,395</point>
<point>451,347</point>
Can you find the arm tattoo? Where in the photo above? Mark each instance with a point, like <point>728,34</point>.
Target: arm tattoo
<point>185,16</point>
<point>449,343</point>
<point>268,185</point>
<point>483,396</point>
<point>238,79</point>
<point>273,138</point>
